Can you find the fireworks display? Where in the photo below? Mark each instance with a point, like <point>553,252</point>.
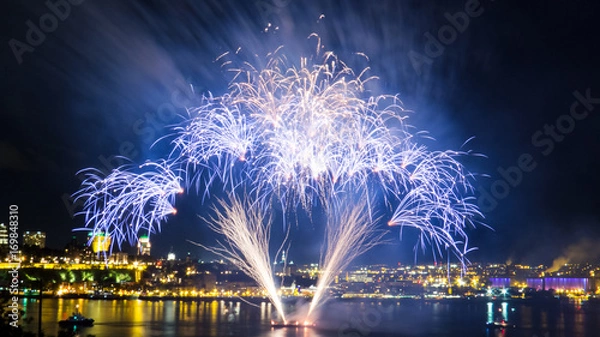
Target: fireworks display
<point>300,136</point>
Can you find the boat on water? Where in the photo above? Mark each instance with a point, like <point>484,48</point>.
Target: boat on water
<point>76,319</point>
<point>499,324</point>
<point>291,324</point>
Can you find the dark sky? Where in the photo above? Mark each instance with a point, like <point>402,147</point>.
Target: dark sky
<point>105,76</point>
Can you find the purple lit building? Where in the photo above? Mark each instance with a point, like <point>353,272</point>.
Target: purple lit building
<point>500,282</point>
<point>559,283</point>
<point>535,283</point>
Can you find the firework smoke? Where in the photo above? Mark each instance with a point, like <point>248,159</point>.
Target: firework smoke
<point>578,252</point>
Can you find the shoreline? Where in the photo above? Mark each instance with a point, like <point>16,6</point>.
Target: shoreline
<point>294,299</point>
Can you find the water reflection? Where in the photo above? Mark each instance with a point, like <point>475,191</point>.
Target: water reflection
<point>346,318</point>
<point>296,332</point>
<point>504,310</point>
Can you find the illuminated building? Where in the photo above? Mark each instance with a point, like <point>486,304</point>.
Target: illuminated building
<point>560,284</point>
<point>37,239</point>
<point>500,282</point>
<point>361,276</point>
<point>3,235</point>
<point>3,241</point>
<point>283,268</point>
<point>118,258</point>
<point>100,243</point>
<point>144,245</point>
<point>171,256</point>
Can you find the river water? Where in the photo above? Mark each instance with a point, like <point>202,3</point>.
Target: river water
<point>449,318</point>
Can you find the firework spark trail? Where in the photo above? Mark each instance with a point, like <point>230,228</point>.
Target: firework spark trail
<point>213,140</point>
<point>124,203</point>
<point>350,231</point>
<point>247,235</point>
<point>440,224</point>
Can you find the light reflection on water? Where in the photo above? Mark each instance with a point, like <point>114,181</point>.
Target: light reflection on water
<point>344,319</point>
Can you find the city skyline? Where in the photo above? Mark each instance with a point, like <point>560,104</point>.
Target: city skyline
<point>566,279</point>
<point>100,245</point>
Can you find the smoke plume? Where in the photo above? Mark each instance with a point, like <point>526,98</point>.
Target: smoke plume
<point>585,250</point>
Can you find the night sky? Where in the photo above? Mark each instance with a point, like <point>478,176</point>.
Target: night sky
<point>108,77</point>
